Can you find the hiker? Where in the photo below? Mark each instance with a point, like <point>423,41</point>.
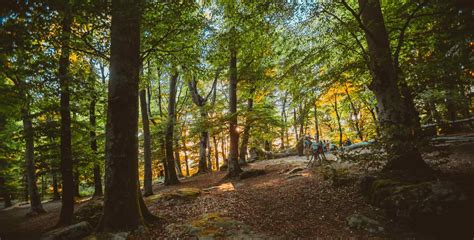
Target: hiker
<point>307,146</point>
<point>328,146</point>
<point>315,150</point>
<point>321,151</point>
<point>347,142</point>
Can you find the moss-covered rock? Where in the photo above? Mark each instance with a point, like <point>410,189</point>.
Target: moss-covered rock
<point>428,206</point>
<point>90,212</point>
<point>182,194</point>
<point>361,222</point>
<point>210,226</point>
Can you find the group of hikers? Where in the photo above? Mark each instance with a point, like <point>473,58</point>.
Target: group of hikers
<point>314,149</point>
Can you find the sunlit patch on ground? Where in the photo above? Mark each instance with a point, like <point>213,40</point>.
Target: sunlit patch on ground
<point>226,187</point>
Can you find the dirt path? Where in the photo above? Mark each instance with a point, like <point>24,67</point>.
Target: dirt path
<point>275,204</point>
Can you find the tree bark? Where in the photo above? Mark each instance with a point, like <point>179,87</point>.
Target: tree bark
<point>233,165</point>
<point>67,207</point>
<point>246,133</point>
<point>124,209</point>
<point>5,193</point>
<point>56,195</point>
<point>93,136</point>
<point>35,202</point>
<point>224,157</point>
<point>185,149</point>
<point>76,184</point>
<point>170,162</point>
<point>177,159</point>
<point>148,178</point>
<point>200,101</point>
<point>216,155</point>
<point>338,117</point>
<point>284,120</point>
<point>316,122</point>
<point>396,126</point>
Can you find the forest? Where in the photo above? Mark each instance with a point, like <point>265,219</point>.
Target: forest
<point>237,119</point>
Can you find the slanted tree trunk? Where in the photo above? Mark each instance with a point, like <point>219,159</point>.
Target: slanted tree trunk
<point>246,133</point>
<point>148,178</point>
<point>35,202</point>
<point>93,136</point>
<point>233,165</point>
<point>170,162</point>
<point>396,126</point>
<point>124,209</point>
<point>67,206</point>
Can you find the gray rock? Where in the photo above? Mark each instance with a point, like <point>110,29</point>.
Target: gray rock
<point>76,231</point>
<point>361,222</point>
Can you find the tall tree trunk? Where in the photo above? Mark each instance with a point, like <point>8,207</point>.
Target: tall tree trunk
<point>338,117</point>
<point>185,149</point>
<point>172,177</point>
<point>148,178</point>
<point>56,195</point>
<point>5,193</point>
<point>284,120</point>
<point>246,133</point>
<point>316,122</point>
<point>67,207</point>
<point>123,205</point>
<point>93,136</point>
<point>76,184</point>
<point>224,157</point>
<point>396,126</point>
<point>177,159</point>
<point>209,161</point>
<point>233,164</point>
<point>200,101</point>
<point>216,151</point>
<point>35,203</point>
<point>295,125</point>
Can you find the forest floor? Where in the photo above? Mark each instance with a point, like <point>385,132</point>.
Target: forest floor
<point>277,204</point>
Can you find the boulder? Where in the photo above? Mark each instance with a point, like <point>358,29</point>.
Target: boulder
<point>76,231</point>
<point>90,212</point>
<point>436,207</point>
<point>251,173</point>
<point>182,194</point>
<point>212,226</point>
<point>361,222</point>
